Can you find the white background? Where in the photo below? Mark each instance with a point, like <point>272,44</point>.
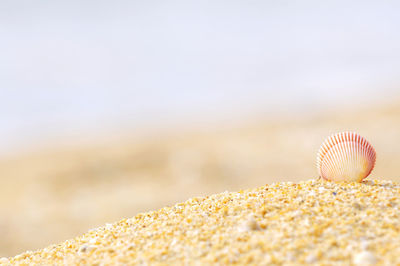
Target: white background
<point>72,67</point>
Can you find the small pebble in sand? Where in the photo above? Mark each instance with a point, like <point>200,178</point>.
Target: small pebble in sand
<point>249,225</point>
<point>86,248</point>
<point>93,241</point>
<point>364,258</point>
<point>4,260</point>
<point>311,259</point>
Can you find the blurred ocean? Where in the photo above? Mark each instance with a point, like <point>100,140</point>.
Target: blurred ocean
<point>74,68</point>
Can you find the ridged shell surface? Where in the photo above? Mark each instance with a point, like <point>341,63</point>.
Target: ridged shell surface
<point>345,156</point>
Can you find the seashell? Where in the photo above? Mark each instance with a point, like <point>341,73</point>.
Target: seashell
<point>345,156</point>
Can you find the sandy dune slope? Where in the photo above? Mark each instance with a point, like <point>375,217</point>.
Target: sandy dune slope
<point>282,223</point>
<point>53,195</point>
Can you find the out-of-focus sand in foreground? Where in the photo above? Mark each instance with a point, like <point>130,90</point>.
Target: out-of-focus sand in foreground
<point>50,196</point>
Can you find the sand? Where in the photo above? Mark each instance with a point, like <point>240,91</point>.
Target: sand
<point>51,195</point>
<point>287,223</point>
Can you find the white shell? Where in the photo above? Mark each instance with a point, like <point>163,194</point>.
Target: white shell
<point>345,157</point>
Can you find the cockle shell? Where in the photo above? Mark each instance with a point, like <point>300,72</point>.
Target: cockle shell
<point>345,156</point>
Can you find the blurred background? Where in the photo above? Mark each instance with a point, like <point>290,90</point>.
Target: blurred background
<point>110,108</point>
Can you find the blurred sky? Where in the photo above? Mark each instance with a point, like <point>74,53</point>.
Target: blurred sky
<point>68,67</point>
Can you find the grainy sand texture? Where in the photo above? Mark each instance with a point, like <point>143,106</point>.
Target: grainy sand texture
<point>310,222</point>
<point>57,194</point>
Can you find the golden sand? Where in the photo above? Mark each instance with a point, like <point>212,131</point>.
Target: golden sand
<point>281,223</point>
<point>53,195</point>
